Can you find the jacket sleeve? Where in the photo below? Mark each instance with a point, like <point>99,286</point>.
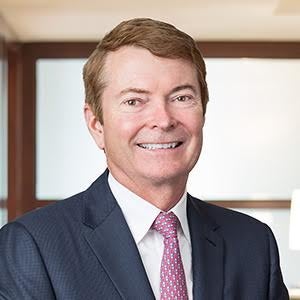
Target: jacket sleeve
<point>22,272</point>
<point>277,289</point>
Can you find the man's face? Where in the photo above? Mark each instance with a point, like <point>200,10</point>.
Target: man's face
<point>152,117</point>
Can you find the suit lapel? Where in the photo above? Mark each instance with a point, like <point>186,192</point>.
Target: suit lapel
<point>207,253</point>
<point>113,244</point>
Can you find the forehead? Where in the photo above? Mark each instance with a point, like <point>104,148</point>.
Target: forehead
<point>133,65</point>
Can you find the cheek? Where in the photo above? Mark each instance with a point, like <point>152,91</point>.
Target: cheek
<point>194,124</point>
<point>129,125</point>
<point>123,128</point>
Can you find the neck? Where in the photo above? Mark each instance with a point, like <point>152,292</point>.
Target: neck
<point>164,195</point>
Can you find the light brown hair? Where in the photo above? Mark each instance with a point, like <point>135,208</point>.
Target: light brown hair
<point>161,39</point>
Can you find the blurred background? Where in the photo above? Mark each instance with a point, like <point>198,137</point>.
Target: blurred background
<point>250,159</point>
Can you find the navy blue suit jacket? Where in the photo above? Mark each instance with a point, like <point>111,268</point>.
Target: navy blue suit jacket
<point>82,248</point>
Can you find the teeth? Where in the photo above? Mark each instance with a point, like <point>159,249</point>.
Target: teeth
<point>159,146</point>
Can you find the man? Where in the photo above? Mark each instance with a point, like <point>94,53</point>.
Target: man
<point>136,233</point>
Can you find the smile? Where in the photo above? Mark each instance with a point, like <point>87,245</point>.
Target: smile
<point>160,146</point>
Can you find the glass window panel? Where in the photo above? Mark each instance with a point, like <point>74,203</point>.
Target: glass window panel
<point>251,140</point>
<point>251,136</point>
<point>67,158</point>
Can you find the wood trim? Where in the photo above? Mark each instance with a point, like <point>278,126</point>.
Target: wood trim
<point>250,49</point>
<point>28,126</point>
<point>4,127</point>
<point>21,93</point>
<point>273,204</point>
<point>59,49</point>
<point>220,49</point>
<point>15,134</point>
<point>3,204</point>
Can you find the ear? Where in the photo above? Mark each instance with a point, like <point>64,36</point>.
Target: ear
<point>95,127</point>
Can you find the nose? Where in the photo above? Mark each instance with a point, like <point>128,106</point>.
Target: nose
<point>162,116</point>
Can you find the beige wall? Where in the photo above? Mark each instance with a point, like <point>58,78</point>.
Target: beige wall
<point>5,32</point>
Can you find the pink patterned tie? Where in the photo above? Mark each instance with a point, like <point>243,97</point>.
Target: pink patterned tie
<point>172,278</point>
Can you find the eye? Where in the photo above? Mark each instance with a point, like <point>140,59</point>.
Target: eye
<point>131,102</point>
<point>182,98</point>
<point>185,99</point>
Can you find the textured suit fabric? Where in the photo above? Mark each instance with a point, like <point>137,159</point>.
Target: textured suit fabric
<point>82,248</point>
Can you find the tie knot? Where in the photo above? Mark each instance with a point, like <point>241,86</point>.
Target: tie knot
<point>166,224</point>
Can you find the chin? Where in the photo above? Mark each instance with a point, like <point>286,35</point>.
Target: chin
<point>165,175</point>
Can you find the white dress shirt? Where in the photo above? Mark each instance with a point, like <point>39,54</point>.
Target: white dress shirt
<point>139,215</point>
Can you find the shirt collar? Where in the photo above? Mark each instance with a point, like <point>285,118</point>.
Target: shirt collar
<point>140,214</point>
<point>180,210</point>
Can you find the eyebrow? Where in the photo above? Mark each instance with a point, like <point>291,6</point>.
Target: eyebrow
<point>134,90</point>
<point>174,90</point>
<point>183,87</point>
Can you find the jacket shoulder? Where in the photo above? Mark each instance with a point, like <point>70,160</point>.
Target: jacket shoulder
<point>230,221</point>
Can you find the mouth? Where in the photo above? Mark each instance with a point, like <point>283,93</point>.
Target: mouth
<point>158,146</point>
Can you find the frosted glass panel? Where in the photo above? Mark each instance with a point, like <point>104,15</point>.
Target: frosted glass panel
<point>67,159</point>
<point>251,136</point>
